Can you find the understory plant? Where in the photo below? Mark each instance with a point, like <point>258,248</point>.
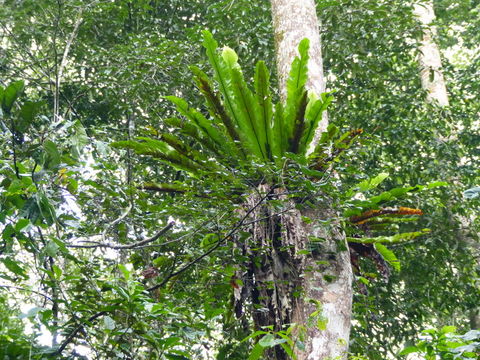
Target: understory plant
<point>446,344</point>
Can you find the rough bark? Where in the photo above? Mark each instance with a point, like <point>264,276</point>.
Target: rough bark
<point>297,271</point>
<point>294,20</point>
<point>429,57</point>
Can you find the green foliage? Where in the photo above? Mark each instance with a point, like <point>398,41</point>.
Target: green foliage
<point>388,255</point>
<point>243,123</point>
<point>238,120</point>
<point>377,88</point>
<point>397,238</point>
<point>10,94</point>
<point>126,53</point>
<point>447,344</point>
<point>266,339</point>
<point>367,217</point>
<point>14,342</point>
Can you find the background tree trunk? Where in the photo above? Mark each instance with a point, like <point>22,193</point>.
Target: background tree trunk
<point>434,83</point>
<point>299,270</point>
<point>429,57</point>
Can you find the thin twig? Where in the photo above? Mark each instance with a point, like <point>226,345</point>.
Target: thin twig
<point>116,221</point>
<point>70,337</point>
<point>127,246</point>
<point>187,235</point>
<point>17,172</point>
<point>63,63</point>
<point>28,290</point>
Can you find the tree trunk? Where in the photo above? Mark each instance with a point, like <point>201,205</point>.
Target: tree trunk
<point>297,270</point>
<point>430,64</point>
<point>294,20</point>
<point>297,273</point>
<point>435,86</point>
<point>429,57</point>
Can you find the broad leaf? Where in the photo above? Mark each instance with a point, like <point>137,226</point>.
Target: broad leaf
<point>246,108</point>
<point>388,255</point>
<point>14,267</point>
<point>10,94</point>
<point>313,116</point>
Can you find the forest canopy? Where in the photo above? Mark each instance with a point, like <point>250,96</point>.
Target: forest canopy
<point>183,180</point>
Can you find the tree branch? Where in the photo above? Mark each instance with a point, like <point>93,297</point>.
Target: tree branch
<point>127,246</point>
<point>28,290</point>
<point>214,247</point>
<point>72,335</point>
<point>116,221</point>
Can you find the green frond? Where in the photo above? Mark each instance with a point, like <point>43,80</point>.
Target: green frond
<point>391,220</point>
<point>246,107</point>
<point>299,71</point>
<point>214,102</point>
<point>242,122</point>
<point>322,150</point>
<point>141,148</point>
<point>264,100</point>
<point>159,150</point>
<point>394,194</point>
<point>393,239</point>
<point>234,97</point>
<point>201,122</point>
<point>299,124</point>
<point>313,116</point>
<point>192,131</point>
<point>179,146</point>
<point>165,187</point>
<point>279,146</point>
<point>296,89</point>
<point>179,162</point>
<point>222,75</point>
<point>388,256</point>
<point>399,192</point>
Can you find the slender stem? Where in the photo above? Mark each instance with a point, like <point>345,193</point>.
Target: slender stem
<point>128,246</point>
<point>74,333</point>
<point>28,290</point>
<point>14,149</point>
